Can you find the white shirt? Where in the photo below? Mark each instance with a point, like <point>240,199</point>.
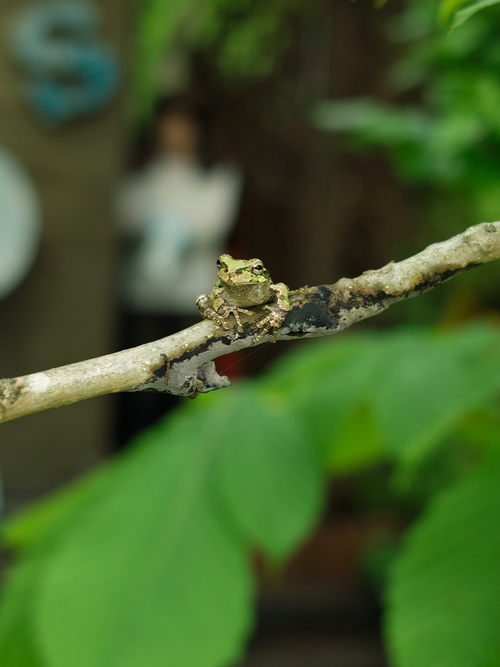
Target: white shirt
<point>180,215</point>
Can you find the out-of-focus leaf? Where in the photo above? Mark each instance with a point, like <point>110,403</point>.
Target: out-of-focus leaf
<point>244,38</point>
<point>30,525</point>
<point>146,537</point>
<point>455,133</point>
<point>36,531</point>
<point>444,600</point>
<point>151,574</point>
<point>464,14</point>
<point>18,645</point>
<point>449,7</point>
<point>414,387</point>
<point>155,554</point>
<point>430,383</point>
<point>1,505</point>
<point>374,121</point>
<point>299,370</point>
<point>481,427</point>
<point>158,22</point>
<point>358,443</point>
<point>487,99</point>
<point>325,384</point>
<point>247,38</point>
<point>458,151</point>
<point>269,473</point>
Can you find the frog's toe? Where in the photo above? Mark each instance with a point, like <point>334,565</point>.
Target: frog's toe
<point>270,324</point>
<point>212,315</point>
<point>259,335</point>
<point>203,303</point>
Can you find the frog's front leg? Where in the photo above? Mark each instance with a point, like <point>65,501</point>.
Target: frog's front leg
<point>216,308</point>
<point>278,313</point>
<point>209,306</point>
<point>235,311</point>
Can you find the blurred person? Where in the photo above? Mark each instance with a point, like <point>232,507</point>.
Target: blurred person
<point>174,216</point>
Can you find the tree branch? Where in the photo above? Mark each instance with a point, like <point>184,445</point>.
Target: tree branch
<point>183,364</point>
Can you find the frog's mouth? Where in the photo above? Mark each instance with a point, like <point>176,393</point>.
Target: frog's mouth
<point>235,278</point>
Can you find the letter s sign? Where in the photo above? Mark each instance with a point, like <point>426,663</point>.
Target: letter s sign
<point>70,74</point>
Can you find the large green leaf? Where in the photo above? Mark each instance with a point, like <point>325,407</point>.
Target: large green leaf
<point>448,8</point>
<point>413,387</point>
<point>358,443</point>
<point>26,528</point>
<point>150,575</point>
<point>464,14</point>
<point>270,474</point>
<point>326,385</point>
<point>427,383</point>
<point>233,470</point>
<point>18,646</point>
<point>152,552</point>
<point>299,370</point>
<point>444,601</point>
<point>36,531</point>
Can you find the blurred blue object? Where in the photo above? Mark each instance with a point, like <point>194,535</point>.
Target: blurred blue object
<point>72,74</point>
<point>20,222</point>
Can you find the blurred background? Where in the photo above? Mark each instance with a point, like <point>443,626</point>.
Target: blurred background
<point>139,140</point>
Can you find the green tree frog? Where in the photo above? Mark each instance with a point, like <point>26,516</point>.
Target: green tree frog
<point>244,283</point>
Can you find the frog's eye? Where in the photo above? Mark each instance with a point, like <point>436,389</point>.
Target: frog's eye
<point>257,269</point>
<point>218,263</point>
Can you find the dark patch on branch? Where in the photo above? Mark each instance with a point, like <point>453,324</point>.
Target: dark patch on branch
<point>310,309</point>
<point>356,300</point>
<point>161,372</point>
<point>325,307</point>
<point>438,278</point>
<point>194,352</point>
<point>227,339</point>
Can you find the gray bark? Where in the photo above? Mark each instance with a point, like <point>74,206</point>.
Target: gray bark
<point>183,363</point>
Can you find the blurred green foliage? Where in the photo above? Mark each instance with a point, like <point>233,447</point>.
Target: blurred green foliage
<point>148,561</point>
<point>460,11</point>
<point>444,600</point>
<point>448,137</point>
<point>158,23</point>
<point>245,38</point>
<point>437,121</point>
